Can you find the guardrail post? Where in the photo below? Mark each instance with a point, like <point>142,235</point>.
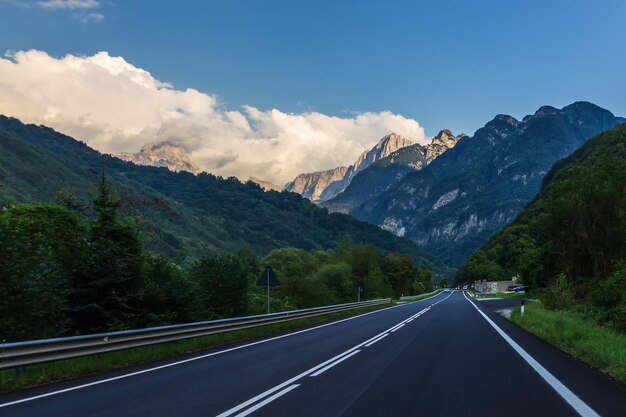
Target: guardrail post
<point>20,370</point>
<point>18,355</point>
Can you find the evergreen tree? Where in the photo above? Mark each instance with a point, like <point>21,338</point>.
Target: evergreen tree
<point>107,298</point>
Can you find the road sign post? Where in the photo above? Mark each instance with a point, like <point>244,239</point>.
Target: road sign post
<point>268,279</point>
<point>268,291</point>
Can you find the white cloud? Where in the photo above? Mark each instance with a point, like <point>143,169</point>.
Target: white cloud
<point>86,18</point>
<point>115,106</point>
<point>68,4</point>
<point>81,8</point>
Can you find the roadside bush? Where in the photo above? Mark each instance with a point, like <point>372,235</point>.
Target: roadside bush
<point>610,296</point>
<point>559,295</point>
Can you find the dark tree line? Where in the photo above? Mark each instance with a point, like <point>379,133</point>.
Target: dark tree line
<point>570,242</point>
<point>70,268</point>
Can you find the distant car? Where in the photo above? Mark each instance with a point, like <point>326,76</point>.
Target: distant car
<point>519,288</point>
<point>464,287</point>
<point>511,287</point>
<point>446,290</point>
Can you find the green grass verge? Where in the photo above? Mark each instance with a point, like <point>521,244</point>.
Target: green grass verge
<point>89,365</point>
<point>513,295</point>
<point>509,295</point>
<point>597,346</point>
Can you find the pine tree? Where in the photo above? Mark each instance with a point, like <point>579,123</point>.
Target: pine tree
<point>106,299</point>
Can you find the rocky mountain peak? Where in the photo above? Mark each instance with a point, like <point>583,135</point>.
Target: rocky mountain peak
<point>265,185</point>
<point>446,138</point>
<point>543,110</point>
<point>391,143</point>
<point>442,141</point>
<point>385,147</point>
<point>312,185</point>
<point>510,120</point>
<point>324,185</point>
<point>165,154</point>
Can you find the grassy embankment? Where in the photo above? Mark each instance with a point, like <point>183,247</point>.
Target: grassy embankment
<point>89,365</point>
<point>597,346</point>
<point>510,295</point>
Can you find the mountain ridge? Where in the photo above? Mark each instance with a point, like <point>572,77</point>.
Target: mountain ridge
<point>324,185</point>
<point>471,191</point>
<point>384,173</point>
<point>164,154</point>
<point>570,236</point>
<point>181,214</point>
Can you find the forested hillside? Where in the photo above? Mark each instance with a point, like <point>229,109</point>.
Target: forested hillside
<point>179,214</point>
<point>570,241</point>
<point>64,272</point>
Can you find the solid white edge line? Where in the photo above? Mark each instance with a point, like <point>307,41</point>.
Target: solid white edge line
<point>156,368</point>
<point>337,362</point>
<point>267,401</point>
<point>570,398</point>
<point>377,340</point>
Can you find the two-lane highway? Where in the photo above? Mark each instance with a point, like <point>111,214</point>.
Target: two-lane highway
<point>443,356</point>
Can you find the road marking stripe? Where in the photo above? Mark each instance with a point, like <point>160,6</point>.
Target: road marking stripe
<point>374,341</point>
<point>572,399</point>
<point>399,327</point>
<point>284,384</point>
<point>156,368</point>
<point>391,329</point>
<point>337,362</point>
<point>267,401</point>
<point>305,373</point>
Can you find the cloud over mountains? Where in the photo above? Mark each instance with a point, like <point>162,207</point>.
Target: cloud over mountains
<point>115,106</point>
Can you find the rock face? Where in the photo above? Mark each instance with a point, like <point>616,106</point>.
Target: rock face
<point>265,185</point>
<point>455,203</point>
<point>442,142</point>
<point>313,184</point>
<point>172,157</point>
<point>386,172</point>
<point>324,185</point>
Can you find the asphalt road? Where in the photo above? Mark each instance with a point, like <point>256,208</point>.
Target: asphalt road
<point>444,356</point>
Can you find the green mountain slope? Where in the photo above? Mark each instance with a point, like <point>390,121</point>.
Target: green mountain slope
<point>181,215</point>
<point>571,237</point>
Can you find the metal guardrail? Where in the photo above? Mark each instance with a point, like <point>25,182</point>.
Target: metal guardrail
<point>20,354</point>
<point>412,297</point>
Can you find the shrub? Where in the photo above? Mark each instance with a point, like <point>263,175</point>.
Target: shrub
<point>559,295</point>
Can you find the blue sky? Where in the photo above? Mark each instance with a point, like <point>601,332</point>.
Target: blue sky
<point>451,64</point>
<point>445,63</point>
